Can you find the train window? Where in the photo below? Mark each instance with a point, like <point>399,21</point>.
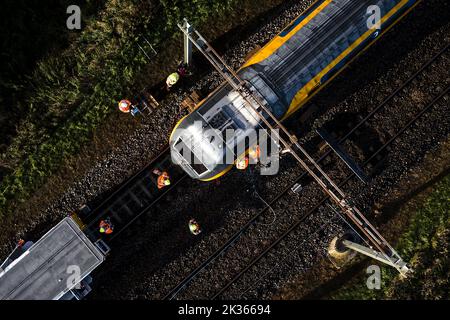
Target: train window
<point>190,158</point>
<point>199,168</point>
<point>180,145</point>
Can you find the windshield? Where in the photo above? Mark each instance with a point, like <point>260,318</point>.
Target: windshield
<point>190,158</point>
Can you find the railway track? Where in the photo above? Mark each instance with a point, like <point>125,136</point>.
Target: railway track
<point>182,285</point>
<point>325,199</point>
<point>132,199</point>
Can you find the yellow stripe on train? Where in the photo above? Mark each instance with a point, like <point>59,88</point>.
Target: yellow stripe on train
<point>303,95</point>
<point>278,41</point>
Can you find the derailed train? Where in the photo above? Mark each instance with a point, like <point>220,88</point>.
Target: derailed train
<point>285,73</point>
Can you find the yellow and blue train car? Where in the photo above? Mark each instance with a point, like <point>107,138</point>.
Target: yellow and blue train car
<point>285,74</point>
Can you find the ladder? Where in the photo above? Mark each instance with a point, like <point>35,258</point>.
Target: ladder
<point>149,54</point>
<point>291,144</point>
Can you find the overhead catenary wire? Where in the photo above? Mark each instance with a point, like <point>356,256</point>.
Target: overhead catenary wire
<point>332,189</point>
<point>181,285</point>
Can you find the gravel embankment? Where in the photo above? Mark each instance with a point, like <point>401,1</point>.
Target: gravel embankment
<point>156,271</point>
<point>158,251</point>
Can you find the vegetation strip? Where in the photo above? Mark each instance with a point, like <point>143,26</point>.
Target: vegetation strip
<point>425,243</point>
<point>74,92</point>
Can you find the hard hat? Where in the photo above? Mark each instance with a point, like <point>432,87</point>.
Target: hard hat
<point>102,230</point>
<point>124,106</point>
<point>172,78</point>
<point>194,227</point>
<point>167,182</point>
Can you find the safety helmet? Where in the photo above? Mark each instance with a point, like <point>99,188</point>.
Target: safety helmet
<point>124,106</point>
<point>173,78</point>
<point>194,227</point>
<point>167,182</point>
<point>102,230</point>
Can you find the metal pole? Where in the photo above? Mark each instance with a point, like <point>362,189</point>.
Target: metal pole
<point>187,43</point>
<point>336,194</point>
<point>399,265</point>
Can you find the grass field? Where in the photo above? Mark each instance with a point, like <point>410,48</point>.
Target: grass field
<point>75,86</point>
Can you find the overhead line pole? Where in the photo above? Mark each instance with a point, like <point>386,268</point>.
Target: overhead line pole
<point>331,189</point>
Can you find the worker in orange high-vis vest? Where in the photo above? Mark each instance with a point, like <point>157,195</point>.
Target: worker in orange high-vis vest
<point>125,106</point>
<point>254,152</point>
<point>242,163</point>
<point>106,226</point>
<point>163,178</point>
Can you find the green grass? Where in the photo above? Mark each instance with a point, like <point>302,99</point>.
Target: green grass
<point>73,92</point>
<point>425,244</point>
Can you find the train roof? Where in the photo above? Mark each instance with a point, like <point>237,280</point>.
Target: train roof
<point>284,75</point>
<point>204,133</point>
<point>309,51</point>
<point>42,272</point>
